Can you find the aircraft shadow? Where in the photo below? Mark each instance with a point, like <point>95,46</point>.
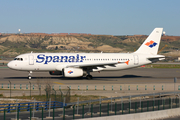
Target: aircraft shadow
<point>32,78</point>
<point>125,76</point>
<point>80,78</point>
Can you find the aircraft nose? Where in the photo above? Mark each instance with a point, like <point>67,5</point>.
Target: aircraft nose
<point>13,65</point>
<point>10,65</point>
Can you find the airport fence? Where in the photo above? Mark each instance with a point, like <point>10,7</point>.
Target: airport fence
<point>59,92</point>
<point>40,93</point>
<point>112,106</point>
<point>119,87</point>
<point>27,105</point>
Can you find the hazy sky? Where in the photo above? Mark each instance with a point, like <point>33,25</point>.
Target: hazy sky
<point>111,17</point>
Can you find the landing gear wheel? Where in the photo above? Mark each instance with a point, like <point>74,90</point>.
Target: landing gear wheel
<point>89,77</point>
<point>29,77</point>
<point>30,74</point>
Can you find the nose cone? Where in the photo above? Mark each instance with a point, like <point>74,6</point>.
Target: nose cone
<point>10,65</point>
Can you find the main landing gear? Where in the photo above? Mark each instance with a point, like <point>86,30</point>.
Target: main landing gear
<point>30,75</point>
<point>89,77</point>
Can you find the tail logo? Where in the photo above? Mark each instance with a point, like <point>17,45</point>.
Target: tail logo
<point>70,72</point>
<point>151,44</point>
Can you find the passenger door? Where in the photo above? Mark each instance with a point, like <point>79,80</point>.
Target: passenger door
<point>31,60</point>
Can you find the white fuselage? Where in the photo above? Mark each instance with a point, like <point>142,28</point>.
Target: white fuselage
<point>50,61</point>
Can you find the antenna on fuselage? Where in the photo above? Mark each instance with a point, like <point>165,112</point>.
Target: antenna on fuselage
<point>101,51</point>
<point>31,51</point>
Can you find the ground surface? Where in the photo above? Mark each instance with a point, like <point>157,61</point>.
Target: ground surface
<point>115,83</point>
<point>133,76</point>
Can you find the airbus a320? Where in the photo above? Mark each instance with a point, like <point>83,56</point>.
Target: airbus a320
<point>80,64</point>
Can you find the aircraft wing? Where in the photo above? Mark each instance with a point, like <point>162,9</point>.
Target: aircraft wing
<point>97,65</point>
<point>94,65</point>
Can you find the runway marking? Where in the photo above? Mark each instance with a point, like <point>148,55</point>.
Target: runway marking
<point>58,83</point>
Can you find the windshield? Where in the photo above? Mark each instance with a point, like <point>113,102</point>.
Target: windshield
<point>19,59</point>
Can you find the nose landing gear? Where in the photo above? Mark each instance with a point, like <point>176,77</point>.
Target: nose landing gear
<point>30,75</point>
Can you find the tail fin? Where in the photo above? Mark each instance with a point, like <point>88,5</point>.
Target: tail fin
<point>151,44</point>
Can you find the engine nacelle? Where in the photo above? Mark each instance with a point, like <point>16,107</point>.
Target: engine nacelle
<point>55,72</point>
<point>72,72</point>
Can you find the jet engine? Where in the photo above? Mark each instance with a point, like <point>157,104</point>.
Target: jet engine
<point>55,72</point>
<point>72,72</point>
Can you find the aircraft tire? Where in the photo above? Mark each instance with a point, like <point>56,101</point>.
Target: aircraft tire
<point>89,77</point>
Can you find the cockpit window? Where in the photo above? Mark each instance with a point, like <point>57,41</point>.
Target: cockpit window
<point>19,59</point>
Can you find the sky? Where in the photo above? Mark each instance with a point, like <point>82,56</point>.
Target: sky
<point>103,17</point>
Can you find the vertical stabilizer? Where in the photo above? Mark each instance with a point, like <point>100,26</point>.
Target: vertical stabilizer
<point>151,44</point>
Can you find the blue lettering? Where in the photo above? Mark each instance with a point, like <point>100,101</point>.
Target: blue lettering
<point>77,58</point>
<point>56,59</point>
<point>47,59</point>
<point>39,57</point>
<point>82,57</point>
<point>65,58</point>
<point>71,58</point>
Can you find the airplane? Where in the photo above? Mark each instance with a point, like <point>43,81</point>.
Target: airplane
<point>80,64</point>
